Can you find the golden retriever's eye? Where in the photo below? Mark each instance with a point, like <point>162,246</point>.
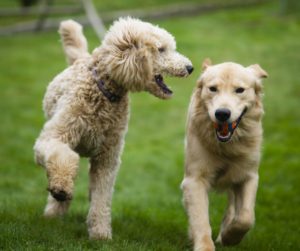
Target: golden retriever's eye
<point>161,49</point>
<point>213,89</point>
<point>239,90</point>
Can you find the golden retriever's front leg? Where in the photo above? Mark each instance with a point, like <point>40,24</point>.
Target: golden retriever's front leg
<point>229,215</point>
<point>103,171</point>
<point>195,192</point>
<point>245,195</point>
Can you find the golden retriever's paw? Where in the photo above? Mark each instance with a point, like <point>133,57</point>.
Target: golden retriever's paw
<point>234,233</point>
<point>100,233</point>
<point>206,244</point>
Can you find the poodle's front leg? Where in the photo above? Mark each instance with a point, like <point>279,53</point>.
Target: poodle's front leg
<point>61,164</point>
<point>103,171</point>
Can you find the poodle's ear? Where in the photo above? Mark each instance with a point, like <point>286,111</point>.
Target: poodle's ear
<point>137,61</point>
<point>206,63</point>
<point>258,71</point>
<point>133,63</point>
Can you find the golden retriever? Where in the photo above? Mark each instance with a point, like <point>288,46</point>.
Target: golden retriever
<point>223,141</point>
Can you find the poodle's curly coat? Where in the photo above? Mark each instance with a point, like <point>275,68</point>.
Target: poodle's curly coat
<point>82,121</point>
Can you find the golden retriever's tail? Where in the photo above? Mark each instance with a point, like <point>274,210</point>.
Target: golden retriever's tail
<point>74,42</point>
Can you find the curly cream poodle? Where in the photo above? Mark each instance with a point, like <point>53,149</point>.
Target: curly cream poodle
<point>87,109</point>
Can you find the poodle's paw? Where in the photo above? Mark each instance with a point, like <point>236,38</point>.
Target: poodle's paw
<point>100,233</point>
<point>60,188</point>
<point>61,170</point>
<point>206,244</point>
<point>60,194</point>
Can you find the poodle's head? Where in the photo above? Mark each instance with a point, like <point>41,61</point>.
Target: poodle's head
<point>137,55</point>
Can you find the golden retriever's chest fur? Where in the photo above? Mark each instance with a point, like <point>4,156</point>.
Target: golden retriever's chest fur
<point>233,162</point>
<point>232,172</point>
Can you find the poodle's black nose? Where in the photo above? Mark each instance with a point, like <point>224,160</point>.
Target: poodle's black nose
<point>189,68</point>
<point>222,114</point>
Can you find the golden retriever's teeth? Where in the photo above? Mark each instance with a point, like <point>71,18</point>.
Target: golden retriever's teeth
<point>223,138</point>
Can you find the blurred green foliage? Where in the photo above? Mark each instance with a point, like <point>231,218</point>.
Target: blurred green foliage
<point>290,7</point>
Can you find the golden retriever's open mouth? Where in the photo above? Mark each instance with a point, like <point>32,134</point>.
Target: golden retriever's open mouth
<point>159,80</point>
<point>224,131</point>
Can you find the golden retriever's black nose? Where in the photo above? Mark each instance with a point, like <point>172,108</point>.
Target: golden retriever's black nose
<point>189,69</point>
<point>222,114</point>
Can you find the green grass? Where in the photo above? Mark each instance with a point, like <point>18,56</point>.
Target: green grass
<point>147,209</point>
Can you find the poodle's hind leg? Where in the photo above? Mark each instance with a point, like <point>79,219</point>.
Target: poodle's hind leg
<point>61,164</point>
<point>103,171</point>
<point>56,208</point>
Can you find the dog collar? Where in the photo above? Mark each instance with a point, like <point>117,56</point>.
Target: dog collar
<point>112,97</point>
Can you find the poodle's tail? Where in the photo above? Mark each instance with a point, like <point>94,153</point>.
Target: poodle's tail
<point>73,40</point>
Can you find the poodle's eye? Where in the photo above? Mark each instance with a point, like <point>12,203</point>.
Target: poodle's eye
<point>161,49</point>
<point>240,90</point>
<point>213,89</point>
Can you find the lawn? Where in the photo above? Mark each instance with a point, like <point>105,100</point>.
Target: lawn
<point>147,208</point>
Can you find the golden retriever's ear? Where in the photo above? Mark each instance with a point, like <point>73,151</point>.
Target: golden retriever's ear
<point>258,71</point>
<point>206,63</point>
<point>260,74</point>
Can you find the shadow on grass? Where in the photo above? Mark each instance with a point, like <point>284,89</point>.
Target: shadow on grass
<point>132,230</point>
<point>150,232</point>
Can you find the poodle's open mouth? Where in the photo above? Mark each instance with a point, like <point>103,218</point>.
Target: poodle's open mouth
<point>159,80</point>
<point>224,131</point>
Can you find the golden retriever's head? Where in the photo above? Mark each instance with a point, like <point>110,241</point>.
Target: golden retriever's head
<point>229,91</point>
<point>137,55</point>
